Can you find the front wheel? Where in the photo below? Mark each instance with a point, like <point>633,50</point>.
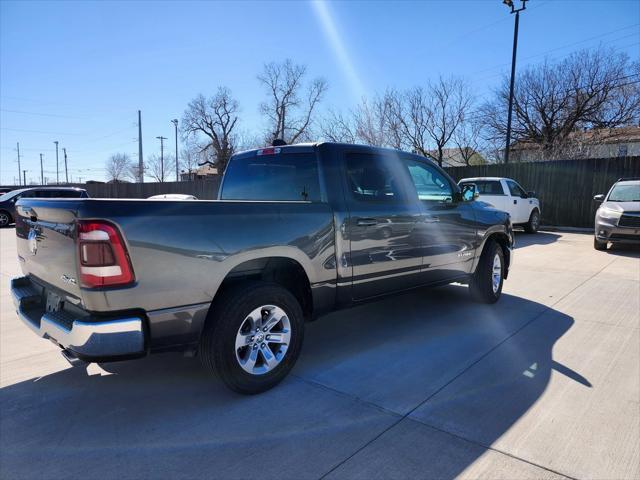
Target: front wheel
<point>5,219</point>
<point>253,336</point>
<point>598,245</point>
<point>486,284</point>
<point>534,222</point>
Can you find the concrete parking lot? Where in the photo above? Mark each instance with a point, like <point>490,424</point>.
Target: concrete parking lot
<point>544,384</point>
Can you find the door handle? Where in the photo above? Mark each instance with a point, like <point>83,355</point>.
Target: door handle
<point>515,202</point>
<point>431,219</point>
<point>367,222</point>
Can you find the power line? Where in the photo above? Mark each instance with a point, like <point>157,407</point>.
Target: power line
<point>22,112</point>
<point>40,131</point>
<point>568,46</point>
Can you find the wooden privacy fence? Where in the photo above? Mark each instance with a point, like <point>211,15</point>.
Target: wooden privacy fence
<point>565,187</point>
<point>202,189</point>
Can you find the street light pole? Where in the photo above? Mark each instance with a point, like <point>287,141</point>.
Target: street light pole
<point>41,172</point>
<point>175,124</point>
<point>509,3</point>
<point>162,139</point>
<point>66,172</point>
<point>57,169</point>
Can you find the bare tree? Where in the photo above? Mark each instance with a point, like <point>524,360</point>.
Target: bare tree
<point>159,168</point>
<point>590,89</point>
<point>467,139</point>
<point>210,123</point>
<point>376,121</point>
<point>117,167</point>
<point>427,118</point>
<point>335,127</point>
<point>289,107</point>
<point>190,159</point>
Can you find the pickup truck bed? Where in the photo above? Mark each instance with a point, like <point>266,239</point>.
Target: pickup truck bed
<point>298,231</point>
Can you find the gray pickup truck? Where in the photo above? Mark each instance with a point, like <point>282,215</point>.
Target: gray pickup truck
<point>297,231</point>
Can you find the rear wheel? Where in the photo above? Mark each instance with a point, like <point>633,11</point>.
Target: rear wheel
<point>5,219</point>
<point>253,336</point>
<point>486,284</point>
<point>534,222</point>
<point>598,245</point>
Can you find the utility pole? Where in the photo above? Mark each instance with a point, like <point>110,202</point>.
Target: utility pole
<point>57,169</point>
<point>140,161</point>
<point>509,3</point>
<point>41,172</point>
<point>66,172</point>
<point>162,139</point>
<point>24,177</point>
<point>18,148</point>
<point>175,124</point>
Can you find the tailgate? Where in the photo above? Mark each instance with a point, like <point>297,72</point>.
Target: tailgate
<point>46,232</point>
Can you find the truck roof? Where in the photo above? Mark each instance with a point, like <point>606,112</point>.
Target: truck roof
<point>310,146</point>
<point>469,179</point>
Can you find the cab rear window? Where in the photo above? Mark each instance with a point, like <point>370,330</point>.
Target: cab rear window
<point>291,176</point>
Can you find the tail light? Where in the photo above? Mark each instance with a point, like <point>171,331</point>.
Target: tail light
<point>103,257</point>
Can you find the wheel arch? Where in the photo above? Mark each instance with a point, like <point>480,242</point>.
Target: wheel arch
<point>501,238</point>
<point>282,270</point>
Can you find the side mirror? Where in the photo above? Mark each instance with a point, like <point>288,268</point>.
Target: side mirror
<point>599,198</point>
<point>532,194</point>
<point>469,192</point>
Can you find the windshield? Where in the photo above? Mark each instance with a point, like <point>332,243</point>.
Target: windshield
<point>625,192</point>
<point>292,176</point>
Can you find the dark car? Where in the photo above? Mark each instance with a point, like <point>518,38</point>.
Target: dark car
<point>8,200</point>
<point>618,218</point>
<point>297,231</point>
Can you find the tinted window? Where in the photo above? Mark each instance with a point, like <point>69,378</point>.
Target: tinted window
<point>515,189</point>
<point>373,178</point>
<point>69,194</point>
<point>489,187</point>
<point>430,184</point>
<point>282,176</point>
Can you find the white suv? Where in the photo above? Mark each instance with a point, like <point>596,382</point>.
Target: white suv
<point>505,194</point>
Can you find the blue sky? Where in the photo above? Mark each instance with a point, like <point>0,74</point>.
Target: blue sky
<point>77,72</point>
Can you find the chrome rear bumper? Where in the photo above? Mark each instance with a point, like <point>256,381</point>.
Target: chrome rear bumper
<point>83,334</point>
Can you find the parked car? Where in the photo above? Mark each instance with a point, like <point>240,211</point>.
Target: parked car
<point>506,194</point>
<point>172,196</point>
<point>8,200</point>
<point>618,217</point>
<point>293,235</point>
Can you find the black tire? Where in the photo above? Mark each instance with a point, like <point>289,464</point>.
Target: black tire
<point>481,284</point>
<point>229,312</point>
<point>598,245</point>
<point>534,222</point>
<point>5,219</point>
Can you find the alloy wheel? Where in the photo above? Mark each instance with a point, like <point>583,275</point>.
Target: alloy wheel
<point>263,339</point>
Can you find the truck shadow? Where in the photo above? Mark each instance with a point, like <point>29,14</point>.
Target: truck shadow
<point>622,250</point>
<point>524,239</point>
<point>361,370</point>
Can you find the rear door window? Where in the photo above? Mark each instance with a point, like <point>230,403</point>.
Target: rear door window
<point>489,187</point>
<point>279,176</point>
<point>374,178</point>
